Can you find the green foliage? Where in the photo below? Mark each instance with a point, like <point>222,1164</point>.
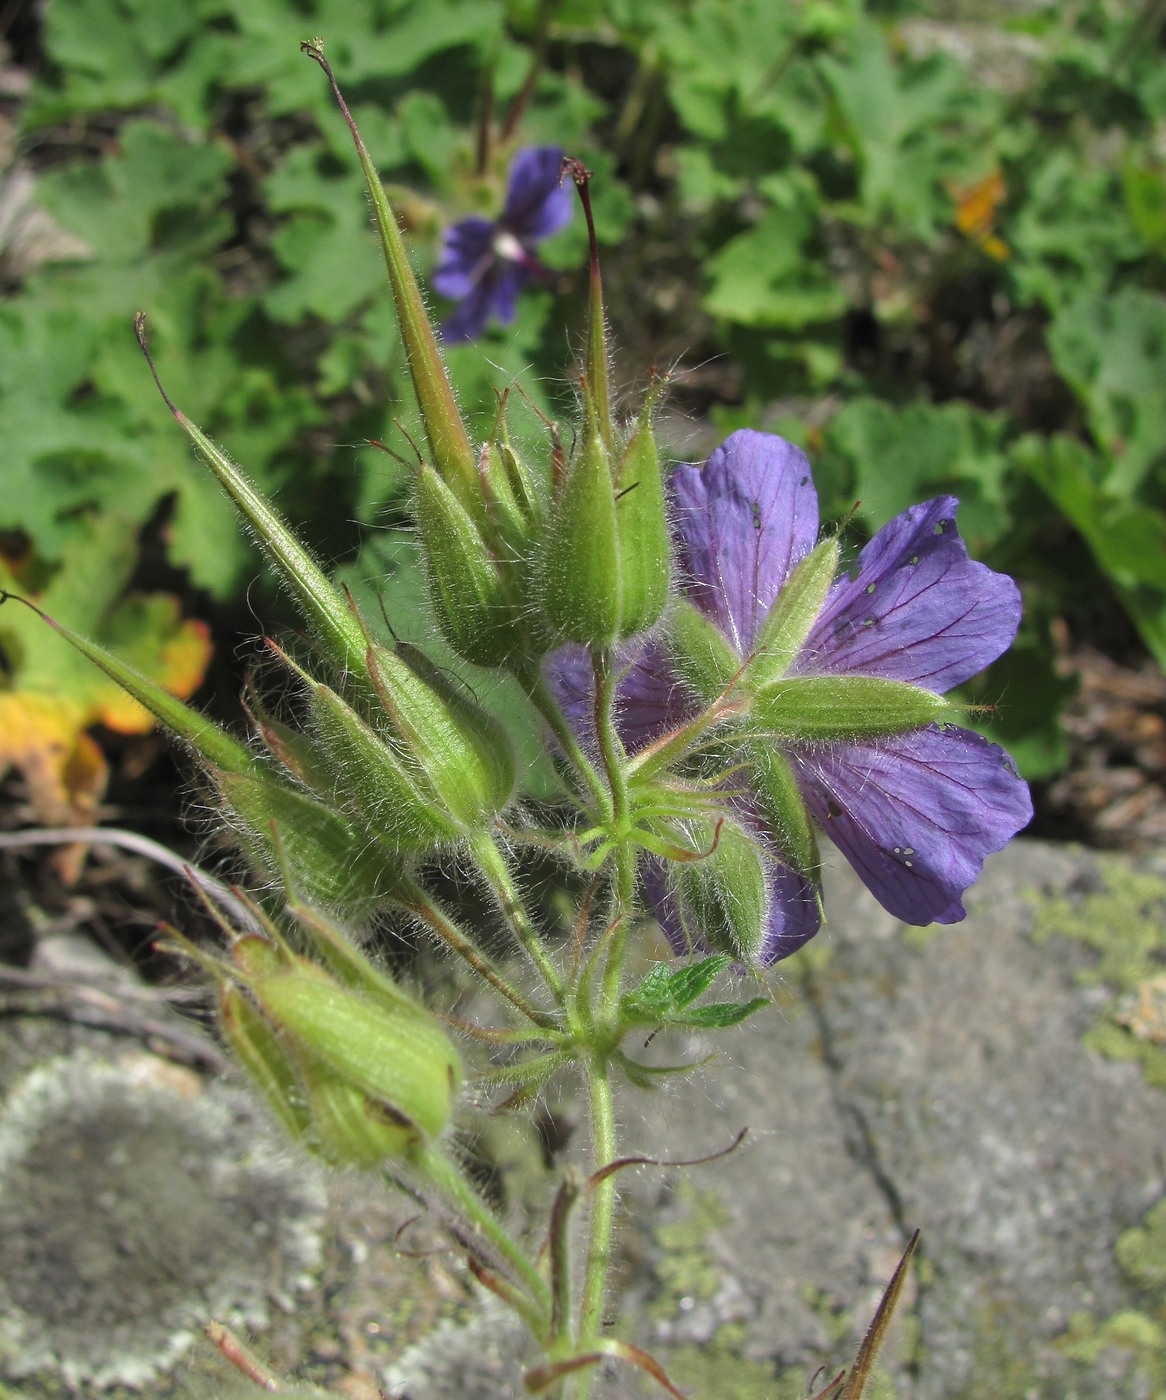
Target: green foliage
<point>665,997</point>
<point>946,272</point>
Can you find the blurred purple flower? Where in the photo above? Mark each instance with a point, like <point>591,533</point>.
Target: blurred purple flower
<point>916,814</point>
<point>484,264</point>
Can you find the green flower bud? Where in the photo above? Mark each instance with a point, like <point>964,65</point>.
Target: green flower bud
<point>810,708</point>
<point>723,895</point>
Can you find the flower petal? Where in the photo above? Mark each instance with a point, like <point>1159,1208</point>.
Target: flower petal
<point>916,609</point>
<point>650,699</point>
<point>537,202</point>
<point>744,520</point>
<point>916,814</point>
<point>466,252</point>
<point>495,295</point>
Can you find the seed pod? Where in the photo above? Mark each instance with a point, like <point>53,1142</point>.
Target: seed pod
<point>580,564</point>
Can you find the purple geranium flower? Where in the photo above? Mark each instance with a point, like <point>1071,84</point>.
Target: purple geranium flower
<point>484,264</point>
<point>915,813</point>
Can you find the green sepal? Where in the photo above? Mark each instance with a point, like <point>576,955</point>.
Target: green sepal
<point>793,614</point>
<point>528,493</point>
<point>323,607</point>
<point>642,525</point>
<point>466,587</point>
<point>263,1056</point>
<point>783,808</point>
<point>331,862</point>
<point>579,573</point>
<point>809,708</point>
<point>400,1061</point>
<point>377,783</point>
<point>463,753</point>
<point>724,898</point>
<point>700,651</point>
<point>295,752</point>
<point>212,744</point>
<point>508,510</point>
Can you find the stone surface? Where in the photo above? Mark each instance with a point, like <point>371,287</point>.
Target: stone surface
<point>944,1078</point>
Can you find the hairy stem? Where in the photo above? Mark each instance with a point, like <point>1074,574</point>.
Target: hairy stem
<point>446,1177</point>
<point>539,694</point>
<point>418,902</point>
<point>495,870</point>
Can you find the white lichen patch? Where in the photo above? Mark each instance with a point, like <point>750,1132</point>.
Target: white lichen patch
<point>136,1204</point>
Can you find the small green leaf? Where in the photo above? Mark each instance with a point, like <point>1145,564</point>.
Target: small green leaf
<point>718,1014</point>
<point>666,989</point>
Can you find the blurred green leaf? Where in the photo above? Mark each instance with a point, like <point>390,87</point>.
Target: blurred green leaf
<point>1112,350</point>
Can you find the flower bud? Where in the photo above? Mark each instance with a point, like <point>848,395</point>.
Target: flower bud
<point>723,895</point>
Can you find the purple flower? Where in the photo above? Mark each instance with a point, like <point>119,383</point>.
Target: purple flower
<point>915,813</point>
<point>484,264</point>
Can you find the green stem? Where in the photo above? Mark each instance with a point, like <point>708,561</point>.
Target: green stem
<point>602,1210</point>
<point>539,695</point>
<point>446,1177</point>
<point>497,873</point>
<point>415,899</point>
<point>610,748</point>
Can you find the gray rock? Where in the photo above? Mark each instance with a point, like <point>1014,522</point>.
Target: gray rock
<point>937,1078</point>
